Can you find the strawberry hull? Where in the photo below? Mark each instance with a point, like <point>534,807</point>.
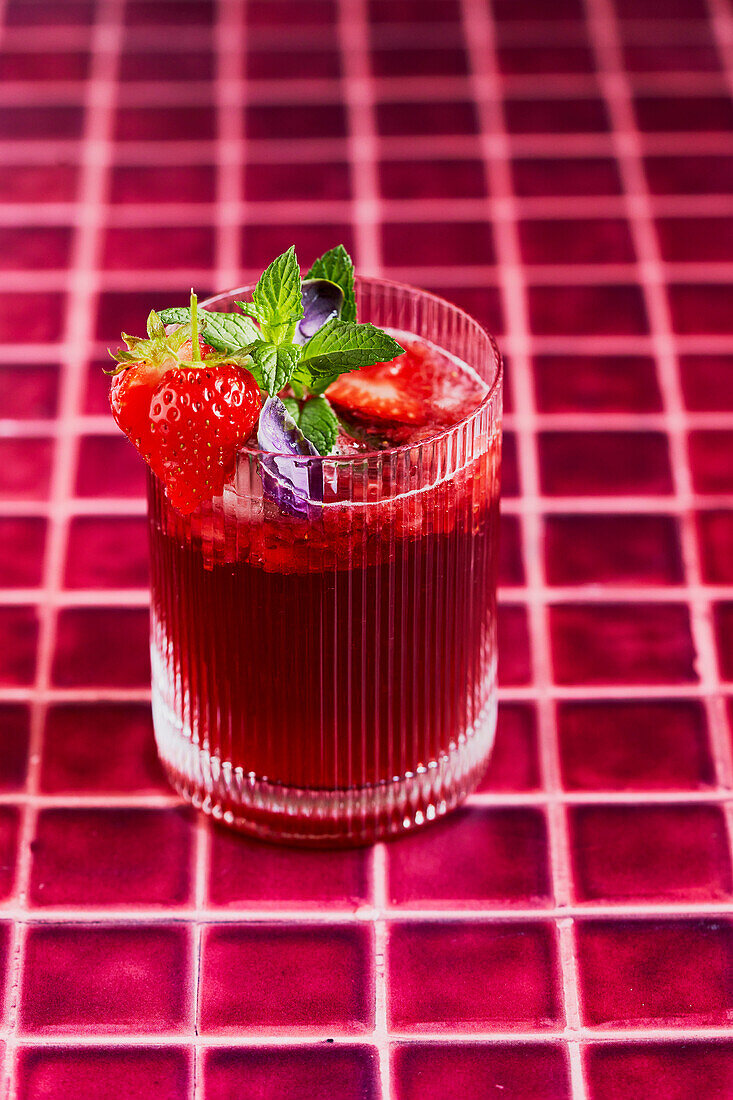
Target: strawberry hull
<point>329,677</point>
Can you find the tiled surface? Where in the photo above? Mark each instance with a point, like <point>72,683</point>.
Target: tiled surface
<point>565,172</point>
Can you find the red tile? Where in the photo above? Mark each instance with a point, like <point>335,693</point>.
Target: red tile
<point>146,12</point>
<point>284,121</point>
<point>654,853</point>
<point>290,13</point>
<point>695,240</point>
<point>109,466</point>
<point>509,466</point>
<point>598,383</point>
<point>685,57</point>
<point>156,247</point>
<point>100,747</point>
<point>538,176</point>
<point>649,9</point>
<point>22,322</point>
<point>638,643</point>
<point>634,746</point>
<point>513,10</point>
<point>25,468</point>
<point>160,183</point>
<point>555,116</point>
<point>102,979</point>
<point>417,11</point>
<point>273,1073</point>
<point>66,1073</point>
<point>41,123</point>
<point>22,545</point>
<point>723,617</point>
<point>441,244</point>
<point>668,114</point>
<point>107,552</point>
<point>700,308</point>
<point>432,179</point>
<point>115,857</point>
<point>707,382</point>
<point>405,62</point>
<point>278,65</point>
<point>29,183</point>
<point>28,391</point>
<point>192,123</point>
<point>102,647</point>
<point>536,59</point>
<point>606,549</point>
<point>667,1071</point>
<point>587,310</point>
<point>715,534</point>
<point>576,241</point>
<point>9,821</point>
<point>604,463</point>
<point>265,182</point>
<point>639,973</point>
<point>429,119</point>
<point>497,856</point>
<point>19,631</point>
<point>514,764</point>
<point>53,12</point>
<point>689,175</point>
<point>96,397</point>
<point>515,665</point>
<point>469,976</point>
<point>34,248</point>
<point>158,65</point>
<point>14,731</point>
<point>126,311</point>
<point>262,243</point>
<point>511,563</point>
<point>712,470</point>
<point>309,978</point>
<point>247,872</point>
<point>453,1071</point>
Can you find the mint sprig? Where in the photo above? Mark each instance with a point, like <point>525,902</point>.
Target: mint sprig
<point>222,331</point>
<point>341,346</point>
<point>319,423</point>
<point>277,302</point>
<point>274,364</point>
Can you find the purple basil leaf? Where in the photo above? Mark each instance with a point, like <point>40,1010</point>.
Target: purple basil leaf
<point>294,486</point>
<point>322,300</point>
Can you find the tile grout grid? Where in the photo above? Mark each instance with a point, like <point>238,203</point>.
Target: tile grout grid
<point>579,1041</point>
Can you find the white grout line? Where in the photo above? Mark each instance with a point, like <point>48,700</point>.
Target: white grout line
<point>81,296</point>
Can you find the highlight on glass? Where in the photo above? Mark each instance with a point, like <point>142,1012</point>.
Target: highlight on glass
<point>323,490</point>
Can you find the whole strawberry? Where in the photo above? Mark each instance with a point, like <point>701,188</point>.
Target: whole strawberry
<point>185,414</point>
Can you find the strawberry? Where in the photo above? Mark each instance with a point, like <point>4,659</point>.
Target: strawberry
<point>185,417</point>
<point>199,416</point>
<point>386,392</point>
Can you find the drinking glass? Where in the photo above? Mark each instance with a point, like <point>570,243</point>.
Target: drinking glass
<point>324,660</point>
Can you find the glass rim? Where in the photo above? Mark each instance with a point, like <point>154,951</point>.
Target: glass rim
<point>494,386</point>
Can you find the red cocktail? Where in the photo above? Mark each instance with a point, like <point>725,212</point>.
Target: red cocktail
<point>324,658</point>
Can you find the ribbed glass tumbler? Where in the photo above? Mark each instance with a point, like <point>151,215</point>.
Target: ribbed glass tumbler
<point>324,662</point>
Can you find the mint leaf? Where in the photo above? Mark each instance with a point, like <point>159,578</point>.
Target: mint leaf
<point>273,365</point>
<point>223,331</point>
<point>276,300</point>
<point>292,407</point>
<point>337,266</point>
<point>342,346</point>
<point>319,423</point>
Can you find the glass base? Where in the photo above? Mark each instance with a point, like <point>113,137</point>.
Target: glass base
<point>317,817</point>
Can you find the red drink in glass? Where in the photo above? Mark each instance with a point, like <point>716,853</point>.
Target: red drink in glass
<point>326,674</point>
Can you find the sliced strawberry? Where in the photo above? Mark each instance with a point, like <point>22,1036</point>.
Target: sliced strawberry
<point>199,416</point>
<point>384,392</point>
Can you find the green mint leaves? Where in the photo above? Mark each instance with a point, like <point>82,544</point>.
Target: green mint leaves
<point>341,346</point>
<point>222,331</point>
<point>336,266</point>
<point>274,364</point>
<point>276,301</point>
<point>319,423</point>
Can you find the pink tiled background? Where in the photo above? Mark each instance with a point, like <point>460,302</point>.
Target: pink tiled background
<point>563,170</point>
